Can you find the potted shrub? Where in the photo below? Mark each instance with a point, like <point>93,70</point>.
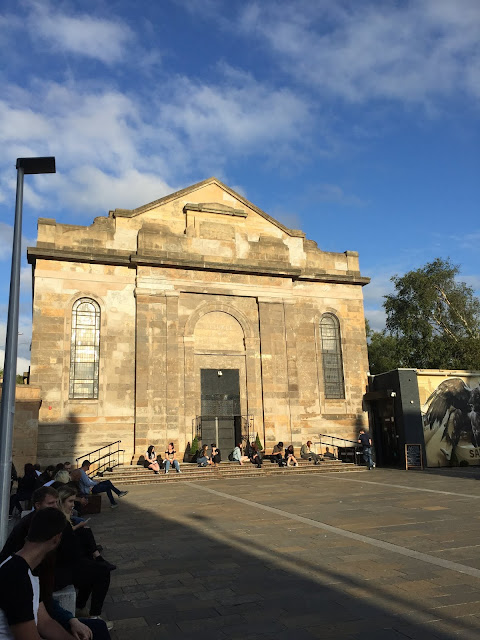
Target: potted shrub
<point>191,451</point>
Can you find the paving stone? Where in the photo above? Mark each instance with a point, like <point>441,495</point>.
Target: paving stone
<point>232,570</point>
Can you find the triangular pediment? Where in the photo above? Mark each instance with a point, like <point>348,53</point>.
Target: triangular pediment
<point>240,205</point>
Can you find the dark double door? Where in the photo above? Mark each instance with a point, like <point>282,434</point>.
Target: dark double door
<point>220,406</point>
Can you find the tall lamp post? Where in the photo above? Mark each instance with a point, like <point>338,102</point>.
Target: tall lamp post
<point>24,166</point>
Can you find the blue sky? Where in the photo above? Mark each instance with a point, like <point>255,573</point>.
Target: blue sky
<point>357,122</point>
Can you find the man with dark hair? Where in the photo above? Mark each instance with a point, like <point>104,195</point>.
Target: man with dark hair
<point>22,614</point>
<point>106,486</point>
<point>365,440</point>
<point>47,498</point>
<point>42,498</point>
<point>277,454</point>
<point>46,476</point>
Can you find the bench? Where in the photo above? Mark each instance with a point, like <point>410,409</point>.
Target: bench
<point>94,504</point>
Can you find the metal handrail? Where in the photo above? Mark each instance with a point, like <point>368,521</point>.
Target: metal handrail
<point>247,425</point>
<point>353,444</point>
<point>109,462</point>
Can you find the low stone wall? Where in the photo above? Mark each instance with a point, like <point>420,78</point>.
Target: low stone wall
<point>25,425</point>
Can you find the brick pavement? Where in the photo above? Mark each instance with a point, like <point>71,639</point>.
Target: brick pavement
<point>195,563</point>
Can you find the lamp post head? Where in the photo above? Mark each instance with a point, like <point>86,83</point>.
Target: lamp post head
<point>37,165</point>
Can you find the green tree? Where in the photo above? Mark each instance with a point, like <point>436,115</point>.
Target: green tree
<point>433,322</point>
<point>383,350</point>
<point>18,377</point>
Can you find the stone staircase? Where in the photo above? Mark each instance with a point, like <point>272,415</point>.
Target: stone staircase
<point>124,474</point>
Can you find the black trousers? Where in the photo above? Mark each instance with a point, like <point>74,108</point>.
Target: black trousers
<point>91,578</point>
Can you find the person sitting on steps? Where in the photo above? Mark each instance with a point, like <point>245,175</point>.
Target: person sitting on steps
<point>307,454</point>
<point>87,485</point>
<point>277,454</point>
<point>216,455</point>
<point>151,460</point>
<point>171,458</point>
<point>290,457</point>
<point>255,457</point>
<point>328,455</point>
<point>237,455</point>
<point>203,460</point>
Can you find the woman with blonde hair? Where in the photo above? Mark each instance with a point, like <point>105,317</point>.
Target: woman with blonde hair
<point>61,478</point>
<point>78,562</point>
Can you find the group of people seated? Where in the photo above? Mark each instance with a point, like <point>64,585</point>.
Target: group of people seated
<point>75,558</point>
<point>281,455</point>
<point>170,459</point>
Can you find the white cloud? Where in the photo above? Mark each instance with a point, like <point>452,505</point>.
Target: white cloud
<point>114,149</point>
<point>89,188</point>
<point>241,112</point>
<point>360,51</point>
<point>24,341</point>
<point>81,34</point>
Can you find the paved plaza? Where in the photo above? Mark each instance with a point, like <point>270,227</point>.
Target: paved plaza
<point>386,554</point>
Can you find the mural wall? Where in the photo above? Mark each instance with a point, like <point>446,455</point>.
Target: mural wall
<point>450,403</point>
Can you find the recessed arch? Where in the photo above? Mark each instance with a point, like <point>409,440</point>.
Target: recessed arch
<point>208,307</point>
<point>218,331</point>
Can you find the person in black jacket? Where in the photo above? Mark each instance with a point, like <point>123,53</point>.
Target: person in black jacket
<point>26,486</point>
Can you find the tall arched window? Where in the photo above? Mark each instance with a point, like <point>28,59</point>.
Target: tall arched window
<point>332,356</point>
<point>85,349</point>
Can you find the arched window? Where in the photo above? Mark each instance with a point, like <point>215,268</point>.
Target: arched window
<point>85,349</point>
<point>332,356</point>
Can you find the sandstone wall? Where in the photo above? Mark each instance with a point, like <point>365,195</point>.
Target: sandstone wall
<point>25,425</point>
<point>201,279</point>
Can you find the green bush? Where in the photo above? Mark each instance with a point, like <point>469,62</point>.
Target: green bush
<point>194,447</point>
<point>258,443</point>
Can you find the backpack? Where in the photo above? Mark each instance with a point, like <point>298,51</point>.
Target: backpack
<point>230,456</point>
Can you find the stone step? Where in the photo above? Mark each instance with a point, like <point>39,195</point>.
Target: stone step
<point>191,472</point>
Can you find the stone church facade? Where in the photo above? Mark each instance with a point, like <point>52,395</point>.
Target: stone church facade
<point>196,314</point>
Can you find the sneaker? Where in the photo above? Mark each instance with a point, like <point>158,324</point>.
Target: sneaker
<point>114,505</point>
<point>109,623</point>
<point>122,493</point>
<point>167,470</point>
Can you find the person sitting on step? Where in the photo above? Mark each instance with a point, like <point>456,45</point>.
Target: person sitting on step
<point>203,460</point>
<point>255,457</point>
<point>171,458</point>
<point>328,455</point>
<point>237,455</point>
<point>151,460</point>
<point>277,454</point>
<point>290,457</point>
<point>106,486</point>
<point>216,455</point>
<point>306,452</point>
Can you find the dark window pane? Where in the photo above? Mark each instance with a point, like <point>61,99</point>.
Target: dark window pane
<point>85,349</point>
<point>332,357</point>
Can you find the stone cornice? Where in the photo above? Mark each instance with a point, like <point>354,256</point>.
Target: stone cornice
<point>215,208</point>
<point>125,258</point>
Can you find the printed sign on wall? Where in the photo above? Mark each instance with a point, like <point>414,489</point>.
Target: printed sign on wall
<point>451,424</point>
